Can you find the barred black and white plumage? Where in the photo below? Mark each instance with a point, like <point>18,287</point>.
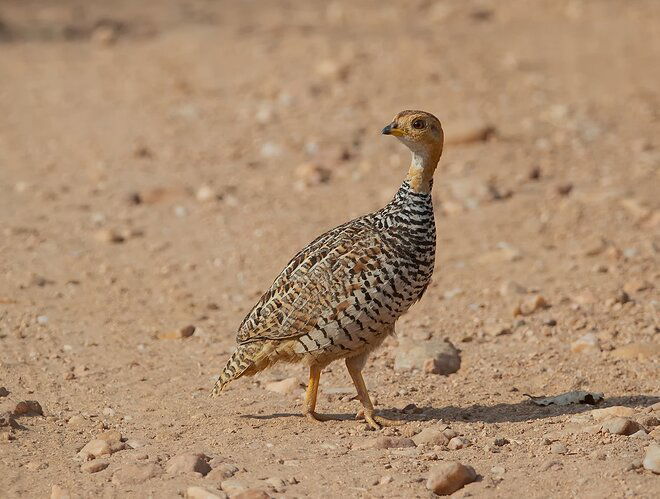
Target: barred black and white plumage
<point>341,295</point>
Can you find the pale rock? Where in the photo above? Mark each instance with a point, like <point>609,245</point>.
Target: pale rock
<point>232,487</point>
<point>57,492</point>
<point>285,386</point>
<point>530,305</point>
<point>177,334</point>
<point>508,288</point>
<point>558,448</point>
<point>430,436</point>
<point>447,478</point>
<point>620,426</point>
<point>252,494</point>
<point>95,448</point>
<point>133,474</point>
<point>276,483</point>
<point>201,493</point>
<point>457,443</point>
<point>221,472</point>
<point>586,344</point>
<point>110,436</point>
<point>618,411</point>
<point>390,443</point>
<point>633,286</point>
<point>188,463</point>
<point>94,466</point>
<point>651,460</point>
<point>435,356</point>
<point>109,236</point>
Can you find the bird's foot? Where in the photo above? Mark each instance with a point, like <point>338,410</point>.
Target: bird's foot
<point>316,417</point>
<point>378,422</point>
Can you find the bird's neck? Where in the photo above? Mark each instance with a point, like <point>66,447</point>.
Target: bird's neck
<point>422,168</point>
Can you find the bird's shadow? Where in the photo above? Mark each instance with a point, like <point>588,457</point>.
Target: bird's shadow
<point>499,413</point>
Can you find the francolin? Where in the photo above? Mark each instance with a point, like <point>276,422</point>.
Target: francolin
<point>340,297</point>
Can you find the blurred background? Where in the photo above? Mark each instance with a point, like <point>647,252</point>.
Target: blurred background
<point>160,162</point>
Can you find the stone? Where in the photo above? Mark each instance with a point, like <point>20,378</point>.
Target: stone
<point>221,471</point>
<point>620,426</point>
<point>201,493</point>
<point>384,480</point>
<point>586,344</point>
<point>94,466</point>
<point>648,421</point>
<point>635,285</point>
<point>95,448</point>
<point>457,443</point>
<point>637,351</point>
<point>276,483</point>
<point>28,408</point>
<point>651,460</point>
<point>184,332</point>
<point>586,297</point>
<point>509,288</point>
<point>469,132</point>
<point>6,436</point>
<point>109,236</point>
<point>430,436</point>
<point>285,386</point>
<point>133,474</point>
<point>390,443</point>
<point>3,391</point>
<point>530,305</point>
<point>558,448</point>
<point>232,487</point>
<point>610,412</point>
<point>434,356</point>
<point>110,436</point>
<point>7,420</point>
<point>205,193</point>
<point>57,492</point>
<point>188,463</point>
<point>446,478</point>
<point>311,174</point>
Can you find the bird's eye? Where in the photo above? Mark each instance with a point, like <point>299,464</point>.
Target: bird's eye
<point>418,124</point>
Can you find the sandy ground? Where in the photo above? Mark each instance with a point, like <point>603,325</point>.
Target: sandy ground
<point>161,161</point>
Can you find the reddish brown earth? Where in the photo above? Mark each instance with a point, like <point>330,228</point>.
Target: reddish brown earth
<point>246,129</point>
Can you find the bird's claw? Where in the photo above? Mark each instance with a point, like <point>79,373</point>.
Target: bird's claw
<point>378,422</point>
<point>315,416</point>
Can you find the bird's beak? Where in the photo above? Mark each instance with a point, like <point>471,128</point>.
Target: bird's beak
<point>391,129</point>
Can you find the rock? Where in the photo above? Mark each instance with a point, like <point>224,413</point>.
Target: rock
<point>586,297</point>
<point>188,463</point>
<point>384,480</point>
<point>109,236</point>
<point>28,408</point>
<point>610,412</point>
<point>586,344</point>
<point>276,483</point>
<point>508,288</point>
<point>636,209</point>
<point>57,492</point>
<point>184,332</point>
<point>94,466</point>
<point>105,34</point>
<point>252,494</point>
<point>133,474</point>
<point>205,193</point>
<point>651,460</point>
<point>648,421</point>
<point>6,436</point>
<point>498,470</point>
<point>390,443</point>
<point>285,386</point>
<point>201,493</point>
<point>564,189</point>
<point>530,305</point>
<point>558,448</point>
<point>501,442</point>
<point>110,436</point>
<point>433,356</point>
<point>95,448</point>
<point>633,286</point>
<point>446,478</point>
<point>637,351</point>
<point>221,471</point>
<point>457,443</point>
<point>3,391</point>
<point>430,436</point>
<point>334,70</point>
<point>620,426</point>
<point>233,487</point>
<point>469,132</point>
<point>7,420</point>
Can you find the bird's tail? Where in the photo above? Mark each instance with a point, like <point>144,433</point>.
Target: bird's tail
<point>241,360</point>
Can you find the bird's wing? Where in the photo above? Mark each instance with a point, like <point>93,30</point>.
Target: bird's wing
<point>319,280</point>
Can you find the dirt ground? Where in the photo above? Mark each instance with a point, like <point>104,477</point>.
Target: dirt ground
<point>160,162</point>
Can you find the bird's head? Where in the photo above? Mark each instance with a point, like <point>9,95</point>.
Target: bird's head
<point>420,131</point>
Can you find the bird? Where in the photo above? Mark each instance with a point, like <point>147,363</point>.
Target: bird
<point>341,295</point>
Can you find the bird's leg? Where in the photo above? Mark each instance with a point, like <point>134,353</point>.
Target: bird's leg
<point>354,366</point>
<point>310,395</point>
